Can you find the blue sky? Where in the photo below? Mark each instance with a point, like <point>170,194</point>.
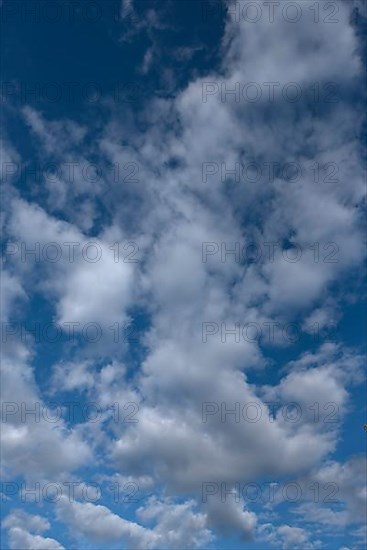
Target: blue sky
<point>183,299</point>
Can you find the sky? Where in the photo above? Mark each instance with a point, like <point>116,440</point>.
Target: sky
<point>183,301</point>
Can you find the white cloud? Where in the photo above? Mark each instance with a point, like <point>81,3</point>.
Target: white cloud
<point>19,525</point>
<point>293,537</point>
<point>11,291</point>
<point>87,282</point>
<point>172,211</point>
<point>177,525</point>
<point>287,536</point>
<point>32,446</point>
<point>55,137</point>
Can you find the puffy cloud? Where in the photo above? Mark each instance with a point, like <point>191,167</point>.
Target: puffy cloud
<point>293,537</point>
<point>287,536</point>
<point>32,446</point>
<point>99,523</point>
<point>21,527</point>
<point>87,282</point>
<point>177,525</point>
<point>319,379</point>
<point>350,478</point>
<point>19,538</point>
<point>228,517</point>
<point>171,211</point>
